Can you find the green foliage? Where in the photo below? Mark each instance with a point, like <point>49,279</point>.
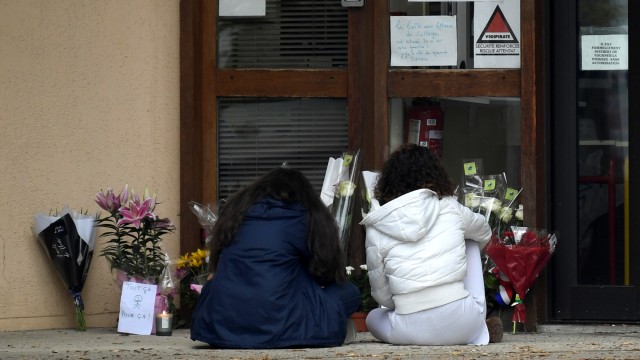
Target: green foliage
<point>136,251</point>
<point>360,277</point>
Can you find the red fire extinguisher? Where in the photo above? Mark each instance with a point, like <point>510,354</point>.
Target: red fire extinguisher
<point>424,124</point>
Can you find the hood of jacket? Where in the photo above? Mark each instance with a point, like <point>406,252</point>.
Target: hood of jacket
<point>406,218</point>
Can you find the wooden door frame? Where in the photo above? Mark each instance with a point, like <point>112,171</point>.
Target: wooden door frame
<point>373,83</point>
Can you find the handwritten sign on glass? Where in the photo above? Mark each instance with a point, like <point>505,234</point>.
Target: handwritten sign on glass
<point>423,41</point>
<point>136,308</point>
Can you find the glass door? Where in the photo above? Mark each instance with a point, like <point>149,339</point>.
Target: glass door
<point>594,268</point>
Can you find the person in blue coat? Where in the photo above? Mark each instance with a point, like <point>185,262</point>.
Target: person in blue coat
<point>278,273</point>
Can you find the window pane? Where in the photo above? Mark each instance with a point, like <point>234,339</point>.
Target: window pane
<point>603,143</point>
<point>484,128</point>
<point>293,34</point>
<point>257,135</point>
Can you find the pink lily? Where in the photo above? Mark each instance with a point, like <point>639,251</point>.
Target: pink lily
<point>135,198</point>
<point>124,195</point>
<point>136,213</point>
<point>153,199</point>
<point>108,201</point>
<point>164,224</point>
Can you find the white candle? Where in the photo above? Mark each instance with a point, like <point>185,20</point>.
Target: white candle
<point>164,324</point>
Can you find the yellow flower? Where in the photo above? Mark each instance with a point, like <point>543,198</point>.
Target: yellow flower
<point>183,261</point>
<point>202,254</point>
<point>195,262</point>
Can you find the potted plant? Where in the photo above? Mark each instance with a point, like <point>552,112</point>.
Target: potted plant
<point>360,278</point>
<point>134,246</point>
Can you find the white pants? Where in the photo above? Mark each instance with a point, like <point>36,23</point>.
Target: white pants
<point>457,323</point>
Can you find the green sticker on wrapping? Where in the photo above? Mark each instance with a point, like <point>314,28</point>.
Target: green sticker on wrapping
<point>490,184</point>
<point>470,168</point>
<point>347,160</point>
<point>510,194</point>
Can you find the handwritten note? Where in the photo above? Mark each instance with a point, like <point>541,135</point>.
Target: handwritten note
<point>136,308</point>
<point>58,246</point>
<point>423,41</point>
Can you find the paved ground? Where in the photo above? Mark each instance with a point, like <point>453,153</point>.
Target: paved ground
<point>551,342</point>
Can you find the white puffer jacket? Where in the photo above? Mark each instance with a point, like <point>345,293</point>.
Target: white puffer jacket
<point>415,249</point>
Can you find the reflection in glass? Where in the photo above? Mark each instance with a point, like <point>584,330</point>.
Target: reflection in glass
<point>256,135</point>
<point>292,35</point>
<point>602,152</point>
<point>486,128</point>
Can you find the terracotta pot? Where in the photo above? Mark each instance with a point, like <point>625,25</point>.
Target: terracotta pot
<point>359,320</point>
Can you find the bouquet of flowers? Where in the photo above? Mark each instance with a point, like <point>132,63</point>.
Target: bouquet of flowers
<point>360,278</point>
<point>520,255</point>
<point>134,246</point>
<point>338,189</point>
<point>207,216</point>
<point>493,197</point>
<point>192,269</point>
<point>68,238</point>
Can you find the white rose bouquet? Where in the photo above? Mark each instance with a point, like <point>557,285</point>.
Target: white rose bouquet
<point>342,175</point>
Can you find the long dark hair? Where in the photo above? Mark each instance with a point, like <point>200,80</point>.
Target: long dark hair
<point>412,167</point>
<point>290,186</point>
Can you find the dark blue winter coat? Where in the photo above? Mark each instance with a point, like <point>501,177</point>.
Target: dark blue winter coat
<point>262,295</point>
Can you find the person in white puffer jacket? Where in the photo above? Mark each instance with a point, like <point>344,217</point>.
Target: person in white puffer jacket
<point>423,257</point>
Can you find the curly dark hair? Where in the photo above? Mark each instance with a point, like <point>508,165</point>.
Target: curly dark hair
<point>412,167</point>
<point>327,263</point>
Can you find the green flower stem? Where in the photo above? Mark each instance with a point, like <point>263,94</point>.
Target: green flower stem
<point>82,326</point>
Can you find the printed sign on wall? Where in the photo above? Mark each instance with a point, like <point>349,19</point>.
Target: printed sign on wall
<point>496,28</point>
<point>605,52</point>
<point>423,41</point>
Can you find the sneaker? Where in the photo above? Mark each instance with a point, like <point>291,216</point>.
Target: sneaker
<point>351,332</point>
<point>494,324</point>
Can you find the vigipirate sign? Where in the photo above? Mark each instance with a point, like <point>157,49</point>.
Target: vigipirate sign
<point>498,29</point>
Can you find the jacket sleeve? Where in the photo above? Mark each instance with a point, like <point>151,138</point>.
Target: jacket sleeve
<point>377,278</point>
<point>475,226</point>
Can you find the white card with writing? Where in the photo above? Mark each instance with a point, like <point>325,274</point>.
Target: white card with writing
<point>136,308</point>
<point>423,41</point>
